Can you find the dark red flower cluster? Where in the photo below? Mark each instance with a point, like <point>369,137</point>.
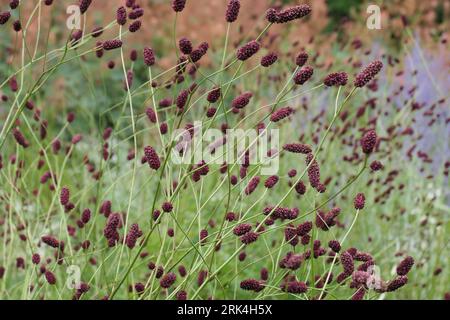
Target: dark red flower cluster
<point>110,232</point>
<point>112,44</point>
<point>149,56</point>
<point>51,241</point>
<point>301,59</point>
<point>280,114</point>
<point>368,73</point>
<point>242,100</point>
<point>405,266</point>
<point>289,14</point>
<point>253,183</point>
<point>168,280</point>
<point>359,201</point>
<point>298,148</point>
<point>248,50</point>
<point>232,10</point>
<point>21,140</point>
<point>152,158</point>
<point>185,45</point>
<point>271,182</point>
<point>303,75</point>
<point>368,141</point>
<point>281,213</point>
<point>178,5</point>
<point>214,95</point>
<point>199,52</point>
<point>251,285</point>
<point>269,59</point>
<point>336,79</point>
<point>84,5</point>
<point>133,235</point>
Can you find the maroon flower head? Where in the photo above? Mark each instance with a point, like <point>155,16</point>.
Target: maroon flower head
<point>36,258</point>
<point>347,263</point>
<point>185,46</point>
<point>214,95</point>
<point>397,283</point>
<point>242,229</point>
<point>86,216</point>
<point>304,228</point>
<point>17,26</point>
<point>136,13</point>
<point>359,294</point>
<point>84,5</point>
<point>20,139</point>
<point>133,235</point>
<point>182,99</point>
<point>300,188</point>
<point>64,197</point>
<point>181,295</point>
<point>149,57</point>
<point>112,44</point>
<point>203,235</point>
<point>280,114</point>
<point>269,60</point>
<point>50,241</point>
<point>289,14</point>
<point>336,79</point>
<point>405,266</point>
<point>97,32</point>
<point>135,26</point>
<point>334,245</point>
<point>297,148</point>
<point>167,207</point>
<point>359,201</point>
<point>368,73</point>
<point>253,183</point>
<point>121,16</point>
<point>303,75</point>
<point>376,165</point>
<point>151,115</point>
<point>241,101</point>
<point>13,4</point>
<point>313,171</point>
<point>152,158</point>
<point>368,141</point>
<point>50,277</point>
<point>296,287</point>
<point>178,5</point>
<point>249,237</point>
<point>271,182</point>
<point>168,280</point>
<point>251,285</point>
<point>247,51</point>
<point>232,10</point>
<point>301,59</point>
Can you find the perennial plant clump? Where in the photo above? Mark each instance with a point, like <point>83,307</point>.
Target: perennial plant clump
<point>96,173</point>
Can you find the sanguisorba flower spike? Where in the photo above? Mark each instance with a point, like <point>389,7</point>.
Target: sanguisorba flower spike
<point>84,5</point>
<point>149,57</point>
<point>232,10</point>
<point>178,5</point>
<point>152,158</point>
<point>248,50</point>
<point>283,16</point>
<point>368,141</point>
<point>303,75</point>
<point>368,73</point>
